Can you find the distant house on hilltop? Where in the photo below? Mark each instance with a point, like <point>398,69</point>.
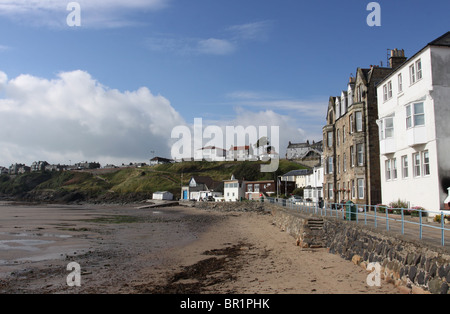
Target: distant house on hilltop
<point>160,161</point>
<point>3,170</point>
<point>306,153</point>
<point>213,153</point>
<point>240,153</point>
<point>38,166</point>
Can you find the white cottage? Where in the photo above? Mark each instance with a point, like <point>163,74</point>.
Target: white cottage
<point>414,115</point>
<point>233,190</point>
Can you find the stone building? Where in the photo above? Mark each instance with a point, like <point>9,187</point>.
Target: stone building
<point>350,139</point>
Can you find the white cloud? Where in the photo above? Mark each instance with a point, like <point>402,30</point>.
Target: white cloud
<point>237,36</point>
<point>95,13</point>
<point>251,31</point>
<point>75,117</point>
<point>190,46</point>
<point>216,46</point>
<point>308,115</point>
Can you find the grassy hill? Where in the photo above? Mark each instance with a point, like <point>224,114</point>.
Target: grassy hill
<point>127,184</point>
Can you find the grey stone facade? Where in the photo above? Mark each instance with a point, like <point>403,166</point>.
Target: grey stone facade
<point>351,140</point>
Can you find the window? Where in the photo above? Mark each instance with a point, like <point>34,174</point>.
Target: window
<point>386,128</point>
<point>352,156</point>
<point>415,115</point>
<point>256,187</point>
<point>351,124</point>
<point>389,87</point>
<point>416,158</point>
<point>345,163</point>
<point>330,139</point>
<point>426,163</point>
<point>415,71</point>
<point>360,154</point>
<point>419,114</point>
<point>250,188</point>
<point>412,74</point>
<point>394,168</point>
<point>419,69</point>
<point>388,169</point>
<point>338,137</point>
<point>338,161</point>
<point>405,167</point>
<point>400,83</point>
<point>358,116</point>
<point>353,189</point>
<point>343,134</point>
<point>389,127</point>
<point>360,188</point>
<point>359,93</point>
<point>330,164</point>
<point>330,191</point>
<point>387,91</point>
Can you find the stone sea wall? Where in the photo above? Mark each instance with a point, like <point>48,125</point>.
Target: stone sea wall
<point>413,266</point>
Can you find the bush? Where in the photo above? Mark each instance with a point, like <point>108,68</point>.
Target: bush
<point>415,211</point>
<point>381,208</point>
<point>437,218</point>
<point>397,207</point>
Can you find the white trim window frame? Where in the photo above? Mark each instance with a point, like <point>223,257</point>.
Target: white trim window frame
<point>360,154</point>
<point>415,72</point>
<point>405,167</point>
<point>426,163</point>
<point>358,121</point>
<point>415,115</point>
<point>361,189</point>
<point>387,165</point>
<point>417,165</point>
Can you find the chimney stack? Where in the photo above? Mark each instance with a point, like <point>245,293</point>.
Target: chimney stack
<point>397,58</point>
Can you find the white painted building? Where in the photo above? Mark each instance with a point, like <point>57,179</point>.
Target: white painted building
<point>213,153</point>
<point>414,124</point>
<point>163,195</point>
<point>314,184</point>
<point>233,190</point>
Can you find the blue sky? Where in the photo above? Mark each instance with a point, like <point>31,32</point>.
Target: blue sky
<point>113,88</point>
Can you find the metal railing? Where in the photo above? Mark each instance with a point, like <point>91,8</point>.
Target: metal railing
<point>412,222</point>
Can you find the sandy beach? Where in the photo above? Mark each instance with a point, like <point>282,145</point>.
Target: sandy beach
<point>126,250</point>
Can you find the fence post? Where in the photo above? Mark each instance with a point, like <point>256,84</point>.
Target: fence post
<point>442,228</point>
<point>420,223</point>
<point>387,219</point>
<point>375,216</point>
<point>365,214</point>
<point>403,222</point>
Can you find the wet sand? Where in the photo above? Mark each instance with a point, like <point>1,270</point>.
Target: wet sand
<point>123,249</point>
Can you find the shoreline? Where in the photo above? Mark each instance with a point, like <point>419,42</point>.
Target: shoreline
<point>169,250</point>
